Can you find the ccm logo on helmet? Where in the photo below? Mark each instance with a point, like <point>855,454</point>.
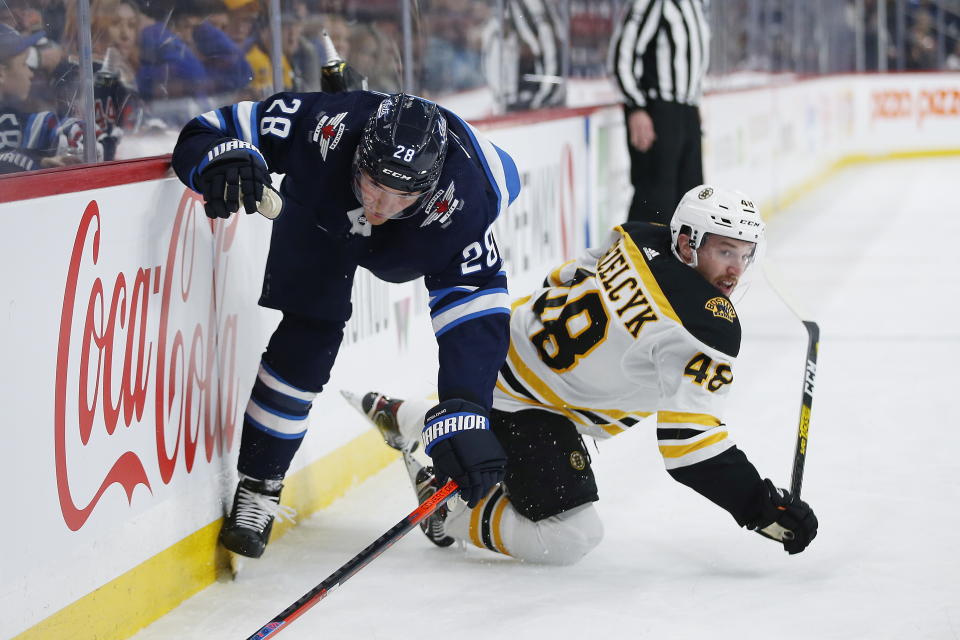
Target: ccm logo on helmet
<point>750,223</point>
<point>395,174</point>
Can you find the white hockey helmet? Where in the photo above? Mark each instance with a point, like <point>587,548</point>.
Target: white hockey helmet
<point>725,212</point>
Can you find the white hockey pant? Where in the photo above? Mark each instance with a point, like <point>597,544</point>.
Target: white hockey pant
<point>494,524</point>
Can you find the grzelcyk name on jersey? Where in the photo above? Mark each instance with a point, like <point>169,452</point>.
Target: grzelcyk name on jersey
<point>618,276</point>
<point>328,132</point>
<point>442,205</point>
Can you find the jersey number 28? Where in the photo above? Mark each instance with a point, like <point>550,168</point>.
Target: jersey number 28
<point>278,125</point>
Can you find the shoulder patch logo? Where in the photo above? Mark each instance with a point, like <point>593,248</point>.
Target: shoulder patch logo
<point>721,308</point>
<point>706,193</point>
<point>328,132</point>
<point>442,205</point>
<point>578,461</point>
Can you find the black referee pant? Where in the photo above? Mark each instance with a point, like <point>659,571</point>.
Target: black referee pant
<point>670,167</point>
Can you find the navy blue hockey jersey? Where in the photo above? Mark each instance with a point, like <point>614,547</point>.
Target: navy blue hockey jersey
<point>322,236</point>
<point>26,138</point>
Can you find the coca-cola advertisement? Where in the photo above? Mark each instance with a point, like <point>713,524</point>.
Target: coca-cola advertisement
<point>131,337</point>
<point>143,342</point>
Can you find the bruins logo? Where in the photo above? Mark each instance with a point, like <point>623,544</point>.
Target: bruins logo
<point>578,461</point>
<point>721,308</point>
<point>706,193</point>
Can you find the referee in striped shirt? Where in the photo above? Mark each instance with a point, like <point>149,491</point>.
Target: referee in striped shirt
<point>659,57</point>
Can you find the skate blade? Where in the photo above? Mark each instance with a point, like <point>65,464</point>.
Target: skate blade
<point>355,401</point>
<point>413,467</point>
<point>237,563</point>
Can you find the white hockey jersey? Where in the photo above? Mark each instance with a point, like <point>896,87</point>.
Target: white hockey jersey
<point>623,332</point>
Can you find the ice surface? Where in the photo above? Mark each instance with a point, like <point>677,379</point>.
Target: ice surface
<point>873,256</point>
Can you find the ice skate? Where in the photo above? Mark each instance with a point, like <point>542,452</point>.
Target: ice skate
<point>381,410</point>
<point>425,484</point>
<point>246,530</point>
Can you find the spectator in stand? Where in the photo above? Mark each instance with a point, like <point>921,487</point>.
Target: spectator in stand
<point>921,43</point>
<point>186,59</point>
<point>376,55</point>
<point>303,55</point>
<point>29,17</point>
<point>28,141</point>
<point>451,48</point>
<point>953,60</point>
<point>240,20</point>
<point>336,27</point>
<point>300,61</point>
<point>115,28</point>
<point>258,57</point>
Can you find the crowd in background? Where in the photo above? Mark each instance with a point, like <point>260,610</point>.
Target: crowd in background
<point>157,63</point>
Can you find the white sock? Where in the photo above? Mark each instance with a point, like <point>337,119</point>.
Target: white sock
<point>410,417</point>
<point>496,525</point>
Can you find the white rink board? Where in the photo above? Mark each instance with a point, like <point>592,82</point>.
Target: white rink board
<point>769,142</point>
<point>765,142</point>
<point>126,273</point>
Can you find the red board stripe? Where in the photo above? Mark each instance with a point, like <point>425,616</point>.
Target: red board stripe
<point>49,182</point>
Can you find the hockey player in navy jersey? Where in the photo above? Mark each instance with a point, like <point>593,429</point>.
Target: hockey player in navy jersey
<point>641,324</point>
<point>395,184</point>
<point>28,140</point>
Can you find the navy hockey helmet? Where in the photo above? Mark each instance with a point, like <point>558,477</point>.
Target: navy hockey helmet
<point>404,144</point>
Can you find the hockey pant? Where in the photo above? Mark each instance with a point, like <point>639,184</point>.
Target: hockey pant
<point>497,525</point>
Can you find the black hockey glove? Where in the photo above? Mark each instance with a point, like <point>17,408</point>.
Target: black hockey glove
<point>457,435</point>
<point>232,171</point>
<point>786,519</point>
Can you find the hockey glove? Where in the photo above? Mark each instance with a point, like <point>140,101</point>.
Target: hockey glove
<point>786,519</point>
<point>457,435</point>
<point>231,172</point>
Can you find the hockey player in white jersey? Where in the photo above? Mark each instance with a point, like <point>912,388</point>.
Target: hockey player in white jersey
<point>642,324</point>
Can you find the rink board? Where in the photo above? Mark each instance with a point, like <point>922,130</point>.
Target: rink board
<point>138,316</point>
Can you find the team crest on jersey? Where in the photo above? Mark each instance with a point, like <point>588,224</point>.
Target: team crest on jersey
<point>328,132</point>
<point>442,205</point>
<point>721,308</point>
<point>578,461</point>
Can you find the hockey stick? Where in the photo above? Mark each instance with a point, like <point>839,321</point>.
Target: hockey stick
<point>359,561</point>
<point>806,403</point>
<point>809,380</point>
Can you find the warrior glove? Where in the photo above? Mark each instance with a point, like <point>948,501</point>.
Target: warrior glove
<point>786,519</point>
<point>232,171</point>
<point>457,435</point>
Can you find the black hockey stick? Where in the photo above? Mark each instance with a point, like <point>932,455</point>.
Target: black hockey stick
<point>806,402</point>
<point>809,378</point>
<point>359,561</point>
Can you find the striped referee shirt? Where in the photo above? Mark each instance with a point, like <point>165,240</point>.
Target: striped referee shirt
<point>661,52</point>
